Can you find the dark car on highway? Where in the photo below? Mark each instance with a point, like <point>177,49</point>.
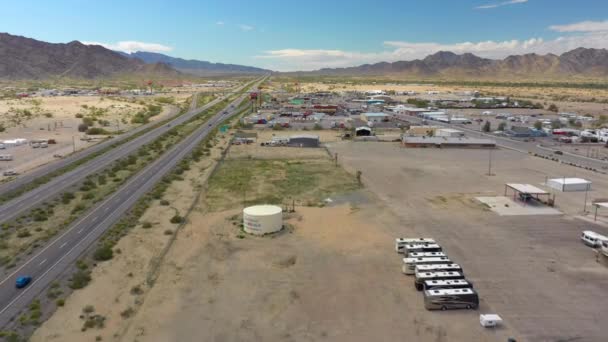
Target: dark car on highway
<point>22,281</point>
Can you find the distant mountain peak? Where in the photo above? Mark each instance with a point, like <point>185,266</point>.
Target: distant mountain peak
<point>195,66</point>
<point>585,62</point>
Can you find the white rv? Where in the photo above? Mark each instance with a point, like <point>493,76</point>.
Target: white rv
<point>409,264</point>
<point>401,242</point>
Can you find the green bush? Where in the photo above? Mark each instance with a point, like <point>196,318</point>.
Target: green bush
<point>103,253</point>
<point>177,219</point>
<point>97,131</point>
<point>164,202</point>
<point>66,197</point>
<point>23,233</point>
<point>146,225</point>
<point>80,279</point>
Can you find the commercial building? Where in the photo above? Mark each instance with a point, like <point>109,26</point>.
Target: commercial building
<point>374,117</point>
<point>447,142</point>
<point>449,132</point>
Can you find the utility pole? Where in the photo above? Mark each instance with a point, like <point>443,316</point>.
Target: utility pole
<point>74,143</point>
<point>585,205</point>
<point>490,163</point>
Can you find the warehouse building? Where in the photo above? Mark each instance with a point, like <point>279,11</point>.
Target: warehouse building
<point>303,141</point>
<point>447,142</point>
<point>419,131</point>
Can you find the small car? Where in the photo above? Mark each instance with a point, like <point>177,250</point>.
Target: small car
<point>10,173</point>
<point>22,281</point>
<point>558,152</point>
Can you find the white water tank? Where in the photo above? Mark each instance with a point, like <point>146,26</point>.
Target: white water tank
<point>262,219</point>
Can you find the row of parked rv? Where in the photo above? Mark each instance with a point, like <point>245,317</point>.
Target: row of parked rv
<point>441,281</point>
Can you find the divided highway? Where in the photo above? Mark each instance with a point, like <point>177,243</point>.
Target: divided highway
<point>50,262</point>
<point>29,200</point>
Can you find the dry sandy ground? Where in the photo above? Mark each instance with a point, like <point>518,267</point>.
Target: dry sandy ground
<point>333,275</point>
<point>63,127</point>
<point>110,291</point>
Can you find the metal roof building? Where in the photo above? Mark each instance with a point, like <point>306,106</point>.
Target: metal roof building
<point>447,142</point>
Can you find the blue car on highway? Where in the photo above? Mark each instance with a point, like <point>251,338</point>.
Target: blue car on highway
<point>23,281</point>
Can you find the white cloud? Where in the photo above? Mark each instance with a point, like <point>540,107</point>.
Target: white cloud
<point>246,28</point>
<point>583,26</point>
<point>299,59</point>
<point>220,23</point>
<point>500,4</point>
<point>133,46</point>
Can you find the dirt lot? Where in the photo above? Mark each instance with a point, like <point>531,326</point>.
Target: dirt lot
<point>55,118</point>
<point>532,270</point>
<point>333,275</point>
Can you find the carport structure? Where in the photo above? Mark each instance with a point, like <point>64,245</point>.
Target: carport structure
<point>598,205</point>
<point>526,191</point>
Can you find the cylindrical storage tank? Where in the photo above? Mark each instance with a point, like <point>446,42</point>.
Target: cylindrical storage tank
<point>262,219</point>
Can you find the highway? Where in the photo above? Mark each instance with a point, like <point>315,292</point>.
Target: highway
<point>51,261</point>
<point>29,200</point>
<point>521,145</point>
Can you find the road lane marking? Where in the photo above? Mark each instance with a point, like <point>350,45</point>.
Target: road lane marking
<point>63,245</point>
<point>80,231</point>
<point>43,261</point>
<point>94,219</point>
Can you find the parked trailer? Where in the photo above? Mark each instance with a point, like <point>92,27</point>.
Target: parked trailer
<point>426,255</point>
<point>6,157</point>
<point>421,277</point>
<point>401,242</point>
<point>409,264</point>
<point>438,268</point>
<point>409,249</point>
<point>444,299</point>
<point>447,284</point>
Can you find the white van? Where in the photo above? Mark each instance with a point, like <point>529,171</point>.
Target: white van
<point>592,239</point>
<point>6,157</point>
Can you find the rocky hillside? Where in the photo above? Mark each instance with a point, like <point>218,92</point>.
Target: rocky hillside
<point>26,58</point>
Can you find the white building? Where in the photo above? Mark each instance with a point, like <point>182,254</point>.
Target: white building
<point>569,184</point>
<point>448,132</point>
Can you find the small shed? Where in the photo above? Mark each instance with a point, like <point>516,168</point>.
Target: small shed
<point>303,141</point>
<point>569,184</point>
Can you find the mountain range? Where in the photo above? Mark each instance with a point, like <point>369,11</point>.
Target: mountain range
<point>581,62</point>
<point>195,67</point>
<point>26,58</point>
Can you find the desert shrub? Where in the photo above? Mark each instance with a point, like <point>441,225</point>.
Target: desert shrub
<point>177,219</point>
<point>80,279</point>
<point>103,253</point>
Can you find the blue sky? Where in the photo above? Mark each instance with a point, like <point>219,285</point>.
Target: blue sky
<point>305,35</point>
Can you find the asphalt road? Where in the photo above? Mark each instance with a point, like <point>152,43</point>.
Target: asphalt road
<point>51,261</point>
<point>520,145</point>
<point>29,200</point>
